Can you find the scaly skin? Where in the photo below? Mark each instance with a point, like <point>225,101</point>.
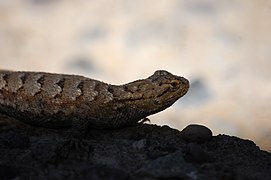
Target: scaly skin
<point>58,100</point>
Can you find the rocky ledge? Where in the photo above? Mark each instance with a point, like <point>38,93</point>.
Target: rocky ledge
<point>141,152</point>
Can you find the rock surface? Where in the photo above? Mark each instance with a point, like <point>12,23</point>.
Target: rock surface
<point>140,152</point>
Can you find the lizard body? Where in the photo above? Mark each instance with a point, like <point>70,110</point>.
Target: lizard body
<point>59,100</point>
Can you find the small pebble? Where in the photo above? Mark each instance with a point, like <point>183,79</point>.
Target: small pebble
<point>196,133</point>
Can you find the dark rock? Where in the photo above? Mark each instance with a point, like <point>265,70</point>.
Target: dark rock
<point>139,152</point>
<point>196,133</point>
<point>141,144</point>
<point>194,153</point>
<point>16,140</point>
<point>104,172</point>
<point>8,172</point>
<point>170,166</point>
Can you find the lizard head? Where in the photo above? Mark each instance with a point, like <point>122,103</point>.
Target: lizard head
<point>154,94</point>
<point>166,89</point>
<point>142,98</point>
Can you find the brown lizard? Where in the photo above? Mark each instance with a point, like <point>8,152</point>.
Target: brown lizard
<point>59,101</point>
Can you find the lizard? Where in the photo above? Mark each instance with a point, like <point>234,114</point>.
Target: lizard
<point>56,101</point>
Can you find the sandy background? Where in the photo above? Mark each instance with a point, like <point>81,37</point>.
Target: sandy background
<point>222,46</point>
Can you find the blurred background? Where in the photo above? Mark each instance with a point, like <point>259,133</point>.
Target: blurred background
<point>222,46</point>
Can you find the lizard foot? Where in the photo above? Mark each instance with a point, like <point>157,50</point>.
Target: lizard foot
<point>74,149</point>
<point>142,121</point>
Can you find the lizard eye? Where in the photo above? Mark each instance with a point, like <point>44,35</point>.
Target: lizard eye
<point>174,83</point>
